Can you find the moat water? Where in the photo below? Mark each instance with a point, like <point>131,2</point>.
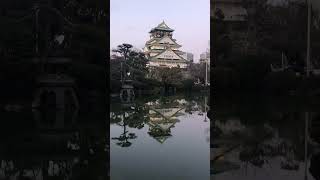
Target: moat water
<point>160,138</point>
<point>264,138</point>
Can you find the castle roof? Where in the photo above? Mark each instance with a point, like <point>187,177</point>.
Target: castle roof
<point>169,54</point>
<point>162,27</point>
<point>162,41</point>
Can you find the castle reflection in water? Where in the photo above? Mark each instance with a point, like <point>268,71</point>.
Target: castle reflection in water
<point>148,134</point>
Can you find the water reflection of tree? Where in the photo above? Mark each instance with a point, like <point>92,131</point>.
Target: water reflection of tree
<point>41,150</point>
<point>314,166</point>
<point>139,117</point>
<point>286,124</point>
<point>280,136</point>
<point>125,136</point>
<point>198,104</point>
<point>133,116</point>
<point>257,147</point>
<point>136,115</point>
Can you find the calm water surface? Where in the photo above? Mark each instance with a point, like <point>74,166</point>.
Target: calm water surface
<point>53,144</point>
<point>261,139</point>
<point>166,138</point>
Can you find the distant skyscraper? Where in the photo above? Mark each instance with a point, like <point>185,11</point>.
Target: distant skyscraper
<point>203,55</point>
<point>188,56</point>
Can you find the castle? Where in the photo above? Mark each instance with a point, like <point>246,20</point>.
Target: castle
<point>162,50</point>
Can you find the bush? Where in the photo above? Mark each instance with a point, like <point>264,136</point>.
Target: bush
<point>115,86</point>
<point>187,84</point>
<point>241,73</point>
<point>89,76</point>
<point>251,70</point>
<point>281,82</point>
<point>310,85</point>
<point>224,79</point>
<point>16,83</point>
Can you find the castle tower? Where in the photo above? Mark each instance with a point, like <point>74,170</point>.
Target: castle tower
<point>162,50</point>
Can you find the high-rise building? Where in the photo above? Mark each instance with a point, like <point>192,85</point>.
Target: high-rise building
<point>203,56</point>
<point>162,50</point>
<point>188,56</point>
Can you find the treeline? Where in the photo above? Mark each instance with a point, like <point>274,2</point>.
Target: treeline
<point>127,63</point>
<point>274,30</point>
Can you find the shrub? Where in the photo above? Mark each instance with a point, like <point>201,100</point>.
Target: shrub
<point>187,84</point>
<point>281,82</point>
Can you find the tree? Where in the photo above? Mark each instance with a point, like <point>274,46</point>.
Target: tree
<point>87,43</point>
<point>133,62</point>
<point>219,14</point>
<point>283,29</point>
<point>222,44</point>
<point>198,71</point>
<point>168,76</point>
<point>124,50</point>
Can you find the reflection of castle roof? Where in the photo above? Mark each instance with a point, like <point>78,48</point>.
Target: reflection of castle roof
<point>166,112</point>
<point>162,126</point>
<point>160,132</point>
<point>161,139</point>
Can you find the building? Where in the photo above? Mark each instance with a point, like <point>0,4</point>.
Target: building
<point>188,56</point>
<point>162,50</point>
<point>205,56</point>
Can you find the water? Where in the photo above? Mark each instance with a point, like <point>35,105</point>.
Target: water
<point>53,144</point>
<point>262,139</point>
<point>165,138</point>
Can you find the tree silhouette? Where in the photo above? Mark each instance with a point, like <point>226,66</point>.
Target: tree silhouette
<point>123,139</point>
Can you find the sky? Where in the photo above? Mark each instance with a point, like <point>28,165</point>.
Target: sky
<point>131,21</point>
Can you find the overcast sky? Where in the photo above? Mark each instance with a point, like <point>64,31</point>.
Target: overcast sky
<point>131,21</point>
